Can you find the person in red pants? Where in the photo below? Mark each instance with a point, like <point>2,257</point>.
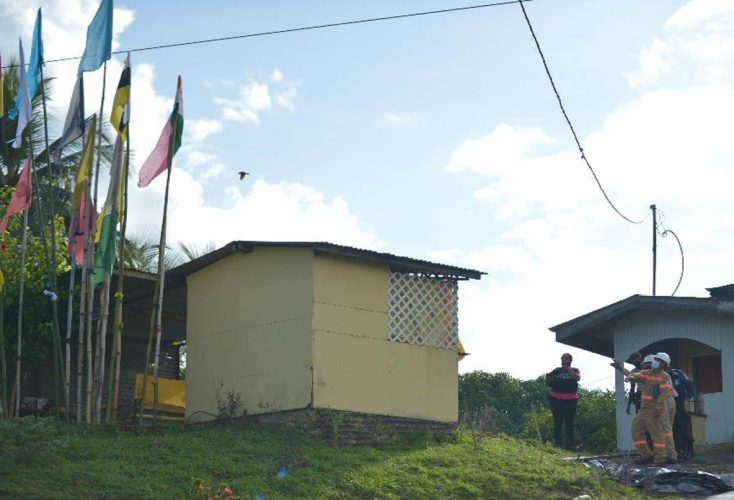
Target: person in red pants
<point>564,396</point>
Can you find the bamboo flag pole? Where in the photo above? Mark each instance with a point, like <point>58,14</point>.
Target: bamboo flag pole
<point>116,351</point>
<point>90,257</point>
<point>112,197</point>
<point>159,299</point>
<point>21,281</point>
<point>159,160</point>
<point>42,225</point>
<point>3,367</point>
<point>58,361</point>
<point>148,348</point>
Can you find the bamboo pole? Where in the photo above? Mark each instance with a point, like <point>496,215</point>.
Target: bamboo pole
<point>82,293</point>
<point>69,319</point>
<point>114,385</point>
<point>58,361</point>
<point>162,281</point>
<point>3,368</point>
<point>146,368</point>
<point>42,224</point>
<point>83,308</point>
<point>105,293</point>
<point>90,292</point>
<point>21,282</point>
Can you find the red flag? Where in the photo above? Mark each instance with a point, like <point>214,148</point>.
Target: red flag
<point>21,198</point>
<point>76,231</point>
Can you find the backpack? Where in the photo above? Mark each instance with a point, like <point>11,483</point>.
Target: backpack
<point>683,384</point>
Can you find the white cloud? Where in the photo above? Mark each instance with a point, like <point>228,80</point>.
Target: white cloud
<point>255,98</point>
<point>279,212</point>
<point>699,36</point>
<point>698,13</point>
<point>200,129</point>
<point>399,118</point>
<point>655,61</point>
<point>276,75</point>
<point>285,98</point>
<point>499,150</point>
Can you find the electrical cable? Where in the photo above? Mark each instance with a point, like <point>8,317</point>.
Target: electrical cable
<point>664,234</point>
<point>682,258</point>
<point>568,120</point>
<point>302,28</point>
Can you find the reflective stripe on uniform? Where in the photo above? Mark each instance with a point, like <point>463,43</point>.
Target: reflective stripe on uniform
<point>638,443</point>
<point>658,445</point>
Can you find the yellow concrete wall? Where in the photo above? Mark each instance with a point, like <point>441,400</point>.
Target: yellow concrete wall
<point>355,367</point>
<point>699,429</point>
<point>249,330</point>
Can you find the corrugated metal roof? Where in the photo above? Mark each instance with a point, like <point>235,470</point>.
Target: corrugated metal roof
<point>722,292</point>
<point>593,331</point>
<point>395,262</point>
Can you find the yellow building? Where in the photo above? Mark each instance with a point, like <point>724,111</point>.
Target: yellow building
<point>290,326</point>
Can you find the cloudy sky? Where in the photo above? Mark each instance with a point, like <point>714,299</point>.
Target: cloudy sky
<point>439,137</point>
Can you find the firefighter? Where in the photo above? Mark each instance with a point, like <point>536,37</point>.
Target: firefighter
<point>671,455</point>
<point>657,389</point>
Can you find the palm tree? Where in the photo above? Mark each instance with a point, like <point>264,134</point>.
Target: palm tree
<point>11,159</point>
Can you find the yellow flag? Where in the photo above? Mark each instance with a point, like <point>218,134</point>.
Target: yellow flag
<point>2,281</point>
<point>119,117</point>
<point>82,175</point>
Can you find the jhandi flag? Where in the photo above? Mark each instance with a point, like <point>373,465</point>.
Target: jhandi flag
<point>75,123</point>
<point>120,115</point>
<point>99,39</point>
<point>81,221</point>
<point>82,175</point>
<point>34,68</point>
<point>24,107</point>
<point>21,198</point>
<point>104,255</point>
<point>168,143</point>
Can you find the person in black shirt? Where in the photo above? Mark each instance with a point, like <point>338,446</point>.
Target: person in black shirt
<point>564,384</point>
<point>635,393</point>
<point>682,425</point>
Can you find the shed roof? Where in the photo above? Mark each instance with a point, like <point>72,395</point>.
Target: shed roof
<point>594,331</point>
<point>395,262</point>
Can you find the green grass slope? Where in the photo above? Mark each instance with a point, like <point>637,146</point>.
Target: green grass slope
<point>43,459</point>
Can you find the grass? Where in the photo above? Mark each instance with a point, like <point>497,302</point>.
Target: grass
<point>40,458</point>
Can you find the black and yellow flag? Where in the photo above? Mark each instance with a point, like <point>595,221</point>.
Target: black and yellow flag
<point>120,115</point>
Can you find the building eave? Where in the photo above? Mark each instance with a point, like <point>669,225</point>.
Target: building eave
<point>394,262</point>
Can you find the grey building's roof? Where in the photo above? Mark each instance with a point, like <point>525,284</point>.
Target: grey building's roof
<point>722,292</point>
<point>394,262</point>
<point>594,331</point>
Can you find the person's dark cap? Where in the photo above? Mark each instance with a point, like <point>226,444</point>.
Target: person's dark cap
<point>634,356</point>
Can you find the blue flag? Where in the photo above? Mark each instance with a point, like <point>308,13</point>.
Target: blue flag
<point>99,39</point>
<point>24,109</point>
<point>34,68</point>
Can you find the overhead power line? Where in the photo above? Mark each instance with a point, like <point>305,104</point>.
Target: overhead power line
<point>568,120</point>
<point>302,28</point>
<point>664,233</point>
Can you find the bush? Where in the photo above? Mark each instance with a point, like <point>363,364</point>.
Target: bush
<point>521,408</point>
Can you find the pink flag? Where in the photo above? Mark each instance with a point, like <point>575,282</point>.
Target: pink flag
<point>158,160</point>
<point>76,231</point>
<point>168,143</point>
<point>21,198</point>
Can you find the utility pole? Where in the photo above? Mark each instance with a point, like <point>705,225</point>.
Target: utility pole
<point>654,246</point>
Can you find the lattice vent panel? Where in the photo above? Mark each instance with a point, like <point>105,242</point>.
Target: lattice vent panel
<point>423,310</point>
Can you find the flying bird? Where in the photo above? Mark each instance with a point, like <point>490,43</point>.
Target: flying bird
<point>243,174</point>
